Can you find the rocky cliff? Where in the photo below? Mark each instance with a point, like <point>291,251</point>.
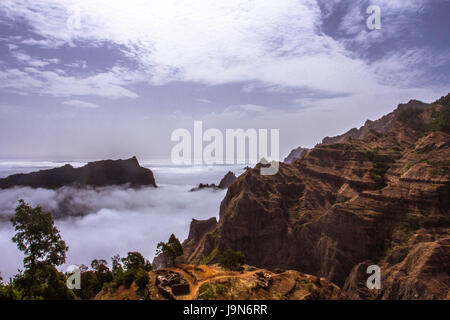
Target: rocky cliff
<point>375,195</point>
<point>226,181</point>
<point>295,154</point>
<point>94,174</point>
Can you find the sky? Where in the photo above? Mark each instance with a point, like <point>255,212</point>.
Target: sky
<point>86,79</point>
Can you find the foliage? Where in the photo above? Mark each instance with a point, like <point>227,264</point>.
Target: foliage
<point>206,292</point>
<point>230,259</point>
<point>142,280</point>
<point>411,117</point>
<point>116,264</point>
<point>172,249</point>
<point>135,260</point>
<point>42,282</point>
<point>92,281</point>
<point>211,256</point>
<point>37,236</point>
<point>7,292</point>
<point>441,120</point>
<point>128,277</point>
<point>44,249</point>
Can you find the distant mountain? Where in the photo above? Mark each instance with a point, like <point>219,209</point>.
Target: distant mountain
<point>295,154</point>
<point>375,195</point>
<point>94,174</point>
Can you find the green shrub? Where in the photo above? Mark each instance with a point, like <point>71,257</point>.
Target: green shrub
<point>206,292</point>
<point>231,259</point>
<point>411,117</point>
<point>171,248</point>
<point>128,277</point>
<point>142,280</point>
<point>210,257</point>
<point>441,120</point>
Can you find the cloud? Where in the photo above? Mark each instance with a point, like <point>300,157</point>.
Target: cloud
<point>275,43</point>
<point>32,61</point>
<point>80,104</point>
<point>116,219</point>
<point>203,100</point>
<point>109,84</point>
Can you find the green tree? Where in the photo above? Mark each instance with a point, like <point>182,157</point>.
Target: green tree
<point>43,282</point>
<point>172,249</point>
<point>231,259</point>
<point>116,264</point>
<point>142,280</point>
<point>135,260</point>
<point>7,292</point>
<point>37,236</point>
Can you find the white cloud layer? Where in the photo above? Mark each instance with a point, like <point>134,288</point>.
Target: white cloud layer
<point>80,104</point>
<point>118,219</point>
<point>217,42</point>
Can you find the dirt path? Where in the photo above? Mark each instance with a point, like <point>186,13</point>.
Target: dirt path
<point>195,285</point>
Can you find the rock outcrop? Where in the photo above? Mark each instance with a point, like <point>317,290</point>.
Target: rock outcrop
<point>196,240</point>
<point>378,194</point>
<point>295,154</point>
<point>94,174</point>
<point>226,181</point>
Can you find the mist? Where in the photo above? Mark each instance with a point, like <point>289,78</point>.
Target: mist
<point>116,219</point>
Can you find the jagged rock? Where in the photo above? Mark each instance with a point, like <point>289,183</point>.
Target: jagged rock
<point>171,284</point>
<point>94,174</point>
<point>295,154</point>
<point>197,239</point>
<point>355,286</point>
<point>354,199</point>
<point>226,181</point>
<point>160,261</point>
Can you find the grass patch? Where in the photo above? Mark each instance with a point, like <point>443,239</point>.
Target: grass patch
<point>210,257</point>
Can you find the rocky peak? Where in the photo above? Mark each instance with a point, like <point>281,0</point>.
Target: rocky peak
<point>225,183</point>
<point>227,180</point>
<point>295,154</point>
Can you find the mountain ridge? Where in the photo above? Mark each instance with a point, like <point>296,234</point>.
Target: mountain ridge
<point>94,174</point>
<point>379,194</point>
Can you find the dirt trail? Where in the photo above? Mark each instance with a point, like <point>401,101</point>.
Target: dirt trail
<point>195,285</point>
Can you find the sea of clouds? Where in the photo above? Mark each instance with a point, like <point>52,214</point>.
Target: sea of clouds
<point>99,223</point>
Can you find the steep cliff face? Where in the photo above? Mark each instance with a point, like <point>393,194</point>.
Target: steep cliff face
<point>95,174</point>
<point>196,241</point>
<point>381,196</point>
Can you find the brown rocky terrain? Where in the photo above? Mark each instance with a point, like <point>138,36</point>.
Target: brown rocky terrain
<point>295,154</point>
<point>192,282</point>
<point>375,195</point>
<point>94,174</point>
